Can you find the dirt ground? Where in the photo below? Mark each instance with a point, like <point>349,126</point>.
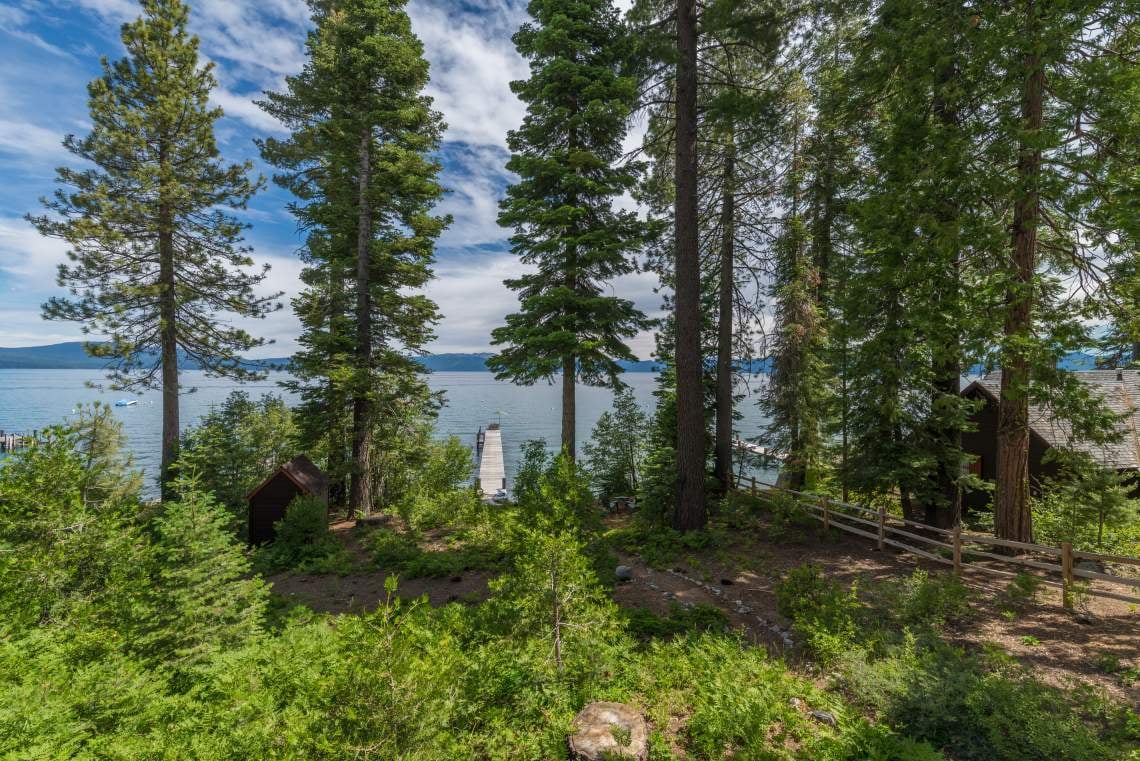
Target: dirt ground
<point>364,590</point>
<point>740,579</point>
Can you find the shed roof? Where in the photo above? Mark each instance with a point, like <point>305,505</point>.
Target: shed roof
<point>304,474</point>
<point>1120,392</point>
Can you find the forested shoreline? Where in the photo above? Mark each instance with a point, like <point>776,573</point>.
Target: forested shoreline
<point>869,200</point>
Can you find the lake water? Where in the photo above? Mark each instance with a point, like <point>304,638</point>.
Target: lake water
<point>33,399</point>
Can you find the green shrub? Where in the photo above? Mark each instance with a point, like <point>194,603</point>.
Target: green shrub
<point>235,445</point>
<point>823,612</point>
<point>931,600</point>
<point>1021,592</point>
<point>663,547</point>
<point>401,553</point>
<point>788,519</point>
<point>303,541</point>
<point>645,624</point>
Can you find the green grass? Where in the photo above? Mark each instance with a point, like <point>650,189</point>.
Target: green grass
<point>401,552</point>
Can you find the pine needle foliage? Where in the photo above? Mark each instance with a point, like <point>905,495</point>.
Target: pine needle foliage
<point>568,156</point>
<point>157,259</point>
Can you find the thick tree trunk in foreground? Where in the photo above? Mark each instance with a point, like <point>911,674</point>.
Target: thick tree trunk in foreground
<point>168,316</point>
<point>723,446</point>
<point>1012,519</point>
<point>569,373</point>
<point>947,364</point>
<point>690,510</point>
<point>361,498</point>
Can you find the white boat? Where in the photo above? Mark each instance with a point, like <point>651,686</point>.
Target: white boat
<point>126,402</point>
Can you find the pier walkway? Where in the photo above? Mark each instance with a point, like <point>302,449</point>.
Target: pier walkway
<point>492,472</point>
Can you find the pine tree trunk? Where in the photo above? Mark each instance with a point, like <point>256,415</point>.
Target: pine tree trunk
<point>569,373</point>
<point>168,319</point>
<point>337,430</point>
<point>946,361</point>
<point>1012,519</point>
<point>724,401</point>
<point>1136,352</point>
<point>361,499</point>
<point>690,510</point>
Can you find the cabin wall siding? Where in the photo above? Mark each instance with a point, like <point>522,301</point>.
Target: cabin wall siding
<point>983,442</point>
<point>268,506</point>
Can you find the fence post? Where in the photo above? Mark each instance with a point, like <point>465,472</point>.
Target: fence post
<point>1067,575</point>
<point>753,486</point>
<point>882,525</point>
<point>957,549</point>
<point>826,517</point>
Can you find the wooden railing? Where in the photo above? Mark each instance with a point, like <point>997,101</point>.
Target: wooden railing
<point>885,529</point>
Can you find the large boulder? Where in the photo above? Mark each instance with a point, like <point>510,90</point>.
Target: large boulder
<point>609,730</point>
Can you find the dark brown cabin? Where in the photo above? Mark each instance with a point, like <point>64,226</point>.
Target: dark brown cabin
<point>268,501</point>
<point>1120,391</point>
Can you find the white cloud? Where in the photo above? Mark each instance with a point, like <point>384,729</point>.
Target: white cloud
<point>242,107</point>
<point>25,327</point>
<point>474,301</point>
<point>27,257</point>
<point>472,65</point>
<point>30,142</point>
<point>13,20</point>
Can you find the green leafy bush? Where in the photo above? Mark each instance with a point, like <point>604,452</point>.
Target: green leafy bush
<point>823,612</point>
<point>681,620</point>
<point>925,599</point>
<point>303,541</point>
<point>235,445</point>
<point>402,553</point>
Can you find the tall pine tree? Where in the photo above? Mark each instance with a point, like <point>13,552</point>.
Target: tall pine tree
<point>157,260</point>
<point>360,162</point>
<point>567,154</point>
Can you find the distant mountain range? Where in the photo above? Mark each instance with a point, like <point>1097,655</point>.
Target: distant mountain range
<point>71,356</point>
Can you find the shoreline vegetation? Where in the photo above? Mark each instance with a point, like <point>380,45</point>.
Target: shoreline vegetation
<point>866,200</point>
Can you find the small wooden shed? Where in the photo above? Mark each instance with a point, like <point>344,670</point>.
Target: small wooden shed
<point>267,503</point>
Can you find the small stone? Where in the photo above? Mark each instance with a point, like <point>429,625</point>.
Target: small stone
<point>798,704</point>
<point>623,573</point>
<point>606,730</point>
<point>671,595</point>
<point>825,717</point>
<point>1086,618</point>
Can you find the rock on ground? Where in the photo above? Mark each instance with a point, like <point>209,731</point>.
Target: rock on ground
<point>609,730</point>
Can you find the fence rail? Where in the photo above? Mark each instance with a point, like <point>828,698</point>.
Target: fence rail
<point>885,530</point>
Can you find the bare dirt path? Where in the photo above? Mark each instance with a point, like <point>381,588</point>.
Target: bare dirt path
<point>740,577</point>
<point>741,580</point>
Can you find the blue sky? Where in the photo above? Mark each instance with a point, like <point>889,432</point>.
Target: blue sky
<point>50,49</point>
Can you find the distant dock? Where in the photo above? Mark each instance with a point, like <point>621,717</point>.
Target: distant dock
<point>489,450</point>
<point>10,442</point>
<point>759,451</point>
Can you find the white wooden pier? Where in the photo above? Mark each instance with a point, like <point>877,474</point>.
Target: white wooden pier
<point>492,472</point>
<point>756,449</point>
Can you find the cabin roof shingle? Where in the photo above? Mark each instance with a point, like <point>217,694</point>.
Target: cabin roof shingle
<point>304,474</point>
<point>1120,391</point>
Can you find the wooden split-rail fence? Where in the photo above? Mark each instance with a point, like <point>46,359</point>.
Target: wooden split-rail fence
<point>958,549</point>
